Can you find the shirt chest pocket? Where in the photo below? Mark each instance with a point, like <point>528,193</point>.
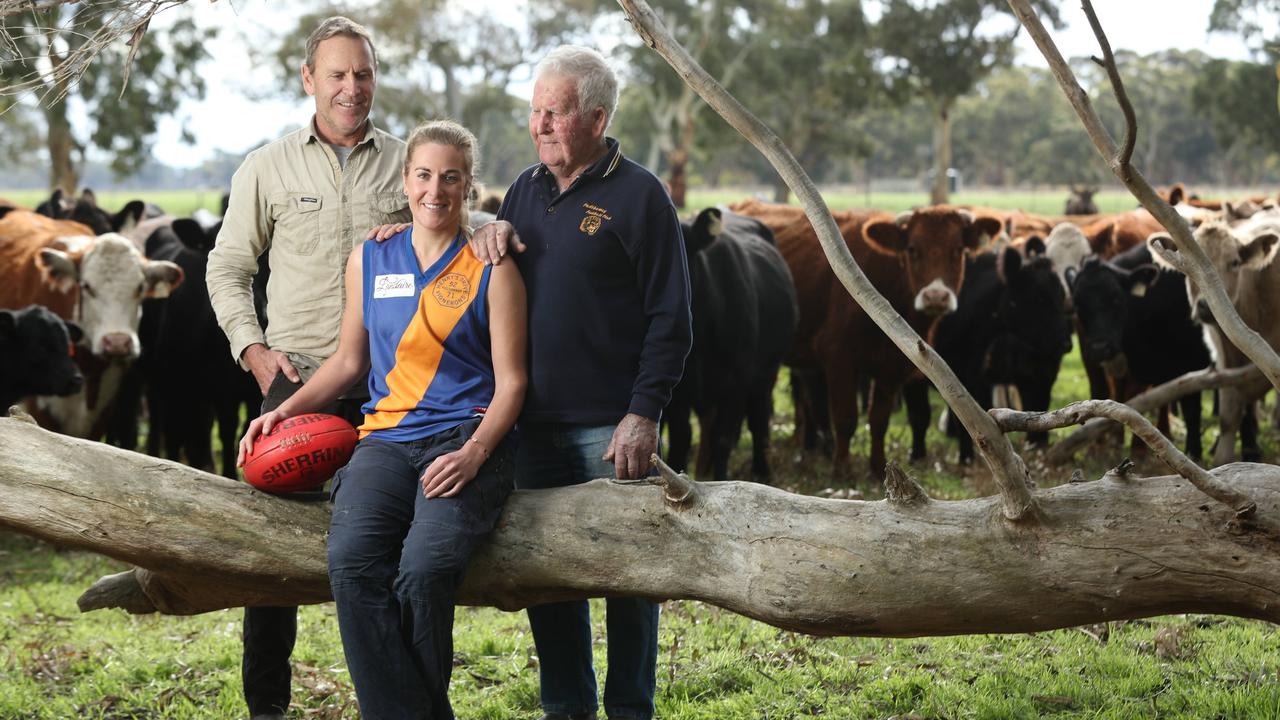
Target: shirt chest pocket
<point>297,222</point>
<point>388,207</point>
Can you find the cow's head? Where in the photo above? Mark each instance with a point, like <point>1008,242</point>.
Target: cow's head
<point>1080,202</point>
<point>85,210</point>
<point>41,361</point>
<point>112,279</point>
<point>1234,253</point>
<point>931,243</point>
<point>1100,294</point>
<point>1034,325</point>
<point>1066,247</point>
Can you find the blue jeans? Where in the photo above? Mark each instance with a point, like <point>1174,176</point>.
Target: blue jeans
<point>555,455</point>
<point>395,562</point>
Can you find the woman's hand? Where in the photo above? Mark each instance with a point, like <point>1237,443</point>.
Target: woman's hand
<point>261,425</point>
<point>449,473</point>
<point>384,232</point>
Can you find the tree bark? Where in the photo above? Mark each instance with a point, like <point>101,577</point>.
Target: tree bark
<point>61,144</point>
<point>941,191</point>
<point>904,566</point>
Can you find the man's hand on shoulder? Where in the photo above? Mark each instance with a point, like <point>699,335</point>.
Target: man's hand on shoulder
<point>634,441</point>
<point>492,241</point>
<point>266,363</point>
<point>384,232</point>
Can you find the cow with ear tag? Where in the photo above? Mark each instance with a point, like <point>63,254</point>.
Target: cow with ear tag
<point>97,281</point>
<point>743,304</point>
<point>916,260</point>
<point>1010,330</point>
<point>1136,331</point>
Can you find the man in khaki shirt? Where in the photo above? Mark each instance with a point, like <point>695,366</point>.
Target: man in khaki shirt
<point>308,198</point>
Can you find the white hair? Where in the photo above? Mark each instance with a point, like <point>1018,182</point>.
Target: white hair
<point>596,82</point>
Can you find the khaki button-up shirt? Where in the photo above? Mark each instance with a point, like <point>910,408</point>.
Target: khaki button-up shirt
<point>292,198</point>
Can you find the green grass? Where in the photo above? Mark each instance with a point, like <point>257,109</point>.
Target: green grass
<point>57,664</point>
<point>1049,202</point>
<point>179,203</point>
<point>1044,202</point>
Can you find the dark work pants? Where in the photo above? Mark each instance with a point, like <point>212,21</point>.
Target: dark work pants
<point>269,632</point>
<point>396,559</point>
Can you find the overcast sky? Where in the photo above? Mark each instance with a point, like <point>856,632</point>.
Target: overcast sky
<point>227,119</point>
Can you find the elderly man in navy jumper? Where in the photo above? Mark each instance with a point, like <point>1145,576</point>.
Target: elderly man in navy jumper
<point>600,249</point>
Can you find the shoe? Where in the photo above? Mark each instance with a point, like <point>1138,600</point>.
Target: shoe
<point>268,716</point>
<point>569,716</point>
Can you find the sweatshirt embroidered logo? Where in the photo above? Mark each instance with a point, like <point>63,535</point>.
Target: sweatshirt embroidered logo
<point>594,219</point>
<point>452,290</point>
<point>388,286</point>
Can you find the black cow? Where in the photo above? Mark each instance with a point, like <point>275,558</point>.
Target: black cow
<point>1135,323</point>
<point>1010,328</point>
<point>36,349</point>
<point>191,377</point>
<point>744,319</point>
<point>186,372</point>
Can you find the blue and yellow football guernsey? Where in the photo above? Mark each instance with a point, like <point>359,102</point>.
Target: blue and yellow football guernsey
<point>431,363</point>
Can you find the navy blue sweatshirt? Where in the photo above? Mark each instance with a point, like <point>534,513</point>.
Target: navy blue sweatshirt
<point>608,288</point>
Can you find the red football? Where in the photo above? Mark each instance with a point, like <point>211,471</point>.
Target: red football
<point>300,453</point>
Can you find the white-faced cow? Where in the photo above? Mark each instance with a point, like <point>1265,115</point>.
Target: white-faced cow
<point>1244,258</point>
<point>97,281</point>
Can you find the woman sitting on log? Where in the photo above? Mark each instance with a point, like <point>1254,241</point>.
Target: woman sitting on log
<point>442,337</point>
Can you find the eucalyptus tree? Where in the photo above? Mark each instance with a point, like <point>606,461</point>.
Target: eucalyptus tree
<point>121,95</point>
<point>941,50</point>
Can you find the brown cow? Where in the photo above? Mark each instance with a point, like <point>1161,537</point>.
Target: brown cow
<point>1244,258</point>
<point>100,283</point>
<point>916,261</point>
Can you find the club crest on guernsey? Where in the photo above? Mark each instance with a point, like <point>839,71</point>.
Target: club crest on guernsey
<point>590,225</point>
<point>594,218</point>
<point>452,290</point>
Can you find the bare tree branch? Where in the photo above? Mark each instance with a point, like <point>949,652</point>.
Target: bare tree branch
<point>1196,264</point>
<point>126,21</point>
<point>1007,468</point>
<point>1078,412</point>
<point>1152,398</point>
<point>1108,63</point>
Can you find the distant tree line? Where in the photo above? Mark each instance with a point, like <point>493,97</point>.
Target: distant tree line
<point>918,88</point>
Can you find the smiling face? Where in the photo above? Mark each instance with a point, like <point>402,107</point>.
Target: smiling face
<point>437,182</point>
<point>567,139</point>
<point>342,82</point>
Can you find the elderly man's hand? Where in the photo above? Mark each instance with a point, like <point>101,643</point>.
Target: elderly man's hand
<point>634,441</point>
<point>491,241</point>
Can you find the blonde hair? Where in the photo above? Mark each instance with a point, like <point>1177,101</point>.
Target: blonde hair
<point>450,134</point>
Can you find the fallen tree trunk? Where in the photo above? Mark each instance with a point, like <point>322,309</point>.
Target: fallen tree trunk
<point>1114,548</point>
<point>1148,400</point>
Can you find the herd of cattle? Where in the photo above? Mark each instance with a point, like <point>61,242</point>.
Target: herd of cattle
<point>108,319</point>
